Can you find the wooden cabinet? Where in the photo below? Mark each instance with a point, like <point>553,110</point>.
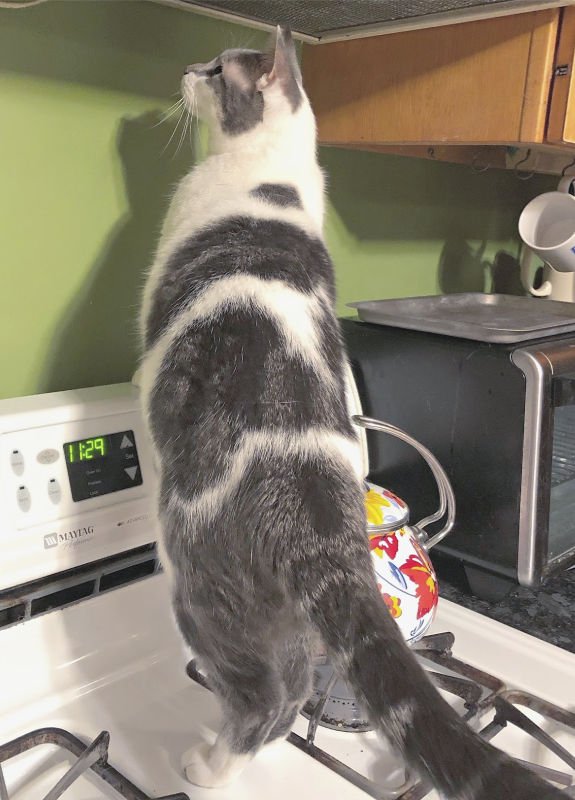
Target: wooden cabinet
<point>561,129</point>
<point>489,82</point>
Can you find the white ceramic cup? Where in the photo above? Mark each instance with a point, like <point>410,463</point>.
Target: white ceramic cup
<point>555,285</point>
<point>547,226</point>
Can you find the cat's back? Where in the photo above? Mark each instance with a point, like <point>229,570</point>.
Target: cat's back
<point>233,234</point>
<point>240,330</point>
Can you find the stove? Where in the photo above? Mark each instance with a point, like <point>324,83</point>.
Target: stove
<point>114,665</point>
<point>99,697</point>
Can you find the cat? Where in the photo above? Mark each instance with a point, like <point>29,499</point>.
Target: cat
<point>260,498</point>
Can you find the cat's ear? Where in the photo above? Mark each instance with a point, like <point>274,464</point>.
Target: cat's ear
<point>285,69</point>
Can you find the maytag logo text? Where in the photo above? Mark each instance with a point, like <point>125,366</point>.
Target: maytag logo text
<point>69,537</point>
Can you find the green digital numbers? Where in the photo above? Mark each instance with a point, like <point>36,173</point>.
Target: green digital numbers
<point>86,449</point>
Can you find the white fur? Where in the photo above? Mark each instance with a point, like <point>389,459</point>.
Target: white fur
<point>318,442</point>
<point>212,765</point>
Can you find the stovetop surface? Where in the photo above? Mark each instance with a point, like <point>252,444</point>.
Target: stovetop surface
<point>116,663</point>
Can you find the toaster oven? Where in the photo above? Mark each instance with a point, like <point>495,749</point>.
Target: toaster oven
<point>501,420</point>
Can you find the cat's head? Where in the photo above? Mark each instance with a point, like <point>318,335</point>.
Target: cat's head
<point>240,89</point>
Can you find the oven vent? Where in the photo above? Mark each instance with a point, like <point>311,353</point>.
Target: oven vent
<point>65,588</point>
<point>328,21</point>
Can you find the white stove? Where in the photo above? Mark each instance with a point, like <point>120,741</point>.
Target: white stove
<point>115,662</point>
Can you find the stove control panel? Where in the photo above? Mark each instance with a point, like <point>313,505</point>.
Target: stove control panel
<point>76,480</point>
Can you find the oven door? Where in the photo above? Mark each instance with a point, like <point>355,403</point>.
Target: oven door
<point>547,516</point>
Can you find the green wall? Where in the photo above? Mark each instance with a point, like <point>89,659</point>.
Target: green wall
<point>85,175</point>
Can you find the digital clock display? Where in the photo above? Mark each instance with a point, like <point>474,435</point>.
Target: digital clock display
<point>86,449</point>
<point>102,464</point>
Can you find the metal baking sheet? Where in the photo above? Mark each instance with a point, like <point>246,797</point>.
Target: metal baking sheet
<point>497,318</point>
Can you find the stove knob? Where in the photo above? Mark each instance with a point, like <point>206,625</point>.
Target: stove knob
<point>17,462</point>
<point>54,491</point>
<point>23,498</point>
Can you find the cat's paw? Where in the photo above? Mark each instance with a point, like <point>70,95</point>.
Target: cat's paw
<point>197,767</point>
<point>204,765</point>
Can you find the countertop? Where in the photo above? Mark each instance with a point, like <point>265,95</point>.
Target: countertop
<point>548,613</point>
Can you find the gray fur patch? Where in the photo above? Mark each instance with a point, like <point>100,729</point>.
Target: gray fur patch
<point>265,248</point>
<point>293,93</point>
<point>279,194</point>
<point>240,110</point>
<point>241,107</point>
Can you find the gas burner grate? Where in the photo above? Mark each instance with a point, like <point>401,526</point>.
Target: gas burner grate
<point>89,757</point>
<point>483,696</point>
<point>335,706</point>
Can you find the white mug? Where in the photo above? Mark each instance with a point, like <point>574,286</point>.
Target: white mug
<point>547,226</point>
<point>555,285</point>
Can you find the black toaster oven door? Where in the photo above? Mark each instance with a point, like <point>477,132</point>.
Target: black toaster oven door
<point>561,539</point>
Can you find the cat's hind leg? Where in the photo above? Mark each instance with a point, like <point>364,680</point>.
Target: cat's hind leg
<point>260,701</point>
<point>252,698</point>
<point>294,655</point>
<point>239,658</point>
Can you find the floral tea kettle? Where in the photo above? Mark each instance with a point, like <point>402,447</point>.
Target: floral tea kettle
<point>405,578</point>
<point>405,575</point>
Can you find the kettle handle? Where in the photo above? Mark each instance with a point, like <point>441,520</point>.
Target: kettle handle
<point>446,495</point>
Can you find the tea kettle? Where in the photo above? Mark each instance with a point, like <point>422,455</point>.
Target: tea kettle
<point>405,575</point>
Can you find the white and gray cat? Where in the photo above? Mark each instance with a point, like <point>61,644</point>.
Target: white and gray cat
<point>261,500</point>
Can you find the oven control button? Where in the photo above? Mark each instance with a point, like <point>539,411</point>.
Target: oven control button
<point>23,498</point>
<point>131,472</point>
<point>17,462</point>
<point>48,456</point>
<point>54,491</point>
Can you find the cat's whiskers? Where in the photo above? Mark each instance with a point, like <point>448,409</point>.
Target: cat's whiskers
<point>193,116</point>
<point>177,125</point>
<point>173,108</point>
<point>197,117</point>
<point>184,131</point>
<point>165,115</point>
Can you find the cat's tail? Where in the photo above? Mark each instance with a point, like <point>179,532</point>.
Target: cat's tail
<point>367,644</point>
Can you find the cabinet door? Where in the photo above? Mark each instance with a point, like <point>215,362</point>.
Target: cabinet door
<point>478,82</point>
<point>561,128</point>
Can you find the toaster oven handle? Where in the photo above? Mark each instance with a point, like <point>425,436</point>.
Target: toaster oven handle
<point>446,496</point>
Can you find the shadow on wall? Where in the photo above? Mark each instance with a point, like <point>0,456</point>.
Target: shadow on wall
<point>469,219</point>
<point>103,318</point>
<point>464,268</point>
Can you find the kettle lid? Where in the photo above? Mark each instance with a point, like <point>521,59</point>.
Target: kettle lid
<point>385,511</point>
